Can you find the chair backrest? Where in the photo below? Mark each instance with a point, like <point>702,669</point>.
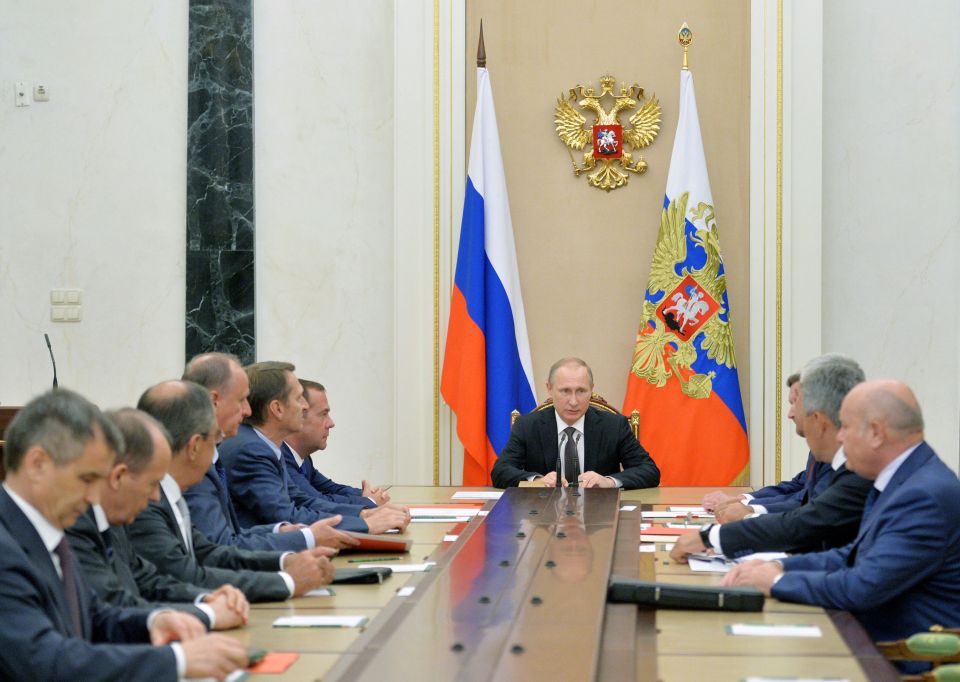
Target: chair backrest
<point>597,401</point>
<point>941,645</point>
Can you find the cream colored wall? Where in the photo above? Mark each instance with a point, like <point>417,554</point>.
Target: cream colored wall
<point>583,254</point>
<point>93,194</point>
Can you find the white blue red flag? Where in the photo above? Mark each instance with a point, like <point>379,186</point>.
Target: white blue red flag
<point>487,372</point>
<point>683,378</point>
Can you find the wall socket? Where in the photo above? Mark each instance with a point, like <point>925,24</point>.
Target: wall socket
<point>65,305</point>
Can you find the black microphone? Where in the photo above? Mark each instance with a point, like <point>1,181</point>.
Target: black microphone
<point>50,348</point>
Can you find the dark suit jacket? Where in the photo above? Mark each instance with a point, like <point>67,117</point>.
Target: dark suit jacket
<point>608,443</point>
<point>902,573</point>
<point>122,577</point>
<point>262,493</point>
<point>213,515</point>
<point>35,639</point>
<point>312,482</point>
<point>788,495</point>
<point>156,535</point>
<point>830,519</point>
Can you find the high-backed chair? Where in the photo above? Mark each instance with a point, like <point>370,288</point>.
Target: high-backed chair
<point>597,401</point>
<point>939,646</point>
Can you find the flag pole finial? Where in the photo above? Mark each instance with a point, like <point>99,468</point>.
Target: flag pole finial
<point>481,50</point>
<point>685,37</point>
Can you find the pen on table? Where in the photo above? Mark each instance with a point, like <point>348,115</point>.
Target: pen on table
<point>373,559</point>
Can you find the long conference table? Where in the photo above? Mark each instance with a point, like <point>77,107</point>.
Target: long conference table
<point>520,589</point>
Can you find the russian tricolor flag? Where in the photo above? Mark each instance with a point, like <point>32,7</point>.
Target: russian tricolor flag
<point>487,372</point>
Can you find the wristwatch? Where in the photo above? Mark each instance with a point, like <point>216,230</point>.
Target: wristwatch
<point>705,536</point>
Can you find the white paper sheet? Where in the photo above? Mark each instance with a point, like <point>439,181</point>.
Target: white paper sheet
<point>442,519</point>
<point>405,591</point>
<point>320,622</point>
<point>685,510</point>
<point>768,630</point>
<point>648,547</point>
<point>477,495</point>
<point>450,538</point>
<point>443,511</point>
<point>675,515</point>
<point>404,568</point>
<point>320,592</point>
<point>628,507</point>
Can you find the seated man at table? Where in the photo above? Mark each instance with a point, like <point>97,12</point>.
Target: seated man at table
<point>596,445</point>
<point>781,497</point>
<point>259,484</point>
<point>830,518</point>
<point>99,538</point>
<point>58,451</point>
<point>298,447</point>
<point>211,508</point>
<point>902,572</point>
<point>164,533</point>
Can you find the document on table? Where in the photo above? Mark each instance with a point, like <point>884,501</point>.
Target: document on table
<point>320,621</point>
<point>404,568</point>
<point>628,507</point>
<point>406,591</point>
<point>754,678</point>
<point>432,512</point>
<point>717,563</point>
<point>648,547</point>
<point>676,515</point>
<point>450,538</point>
<point>773,630</point>
<point>688,510</point>
<point>439,519</point>
<point>320,592</point>
<point>477,495</point>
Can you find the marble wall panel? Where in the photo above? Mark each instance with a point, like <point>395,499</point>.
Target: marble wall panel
<point>220,199</point>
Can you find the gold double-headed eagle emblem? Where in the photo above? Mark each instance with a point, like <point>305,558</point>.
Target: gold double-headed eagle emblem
<point>605,139</point>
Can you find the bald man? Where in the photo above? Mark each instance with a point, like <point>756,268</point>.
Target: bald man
<point>902,572</point>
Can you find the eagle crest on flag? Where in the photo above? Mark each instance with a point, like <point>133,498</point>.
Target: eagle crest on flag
<point>684,317</point>
<point>607,136</point>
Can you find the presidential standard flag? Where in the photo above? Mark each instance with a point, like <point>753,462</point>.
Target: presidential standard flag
<point>487,372</point>
<point>683,378</point>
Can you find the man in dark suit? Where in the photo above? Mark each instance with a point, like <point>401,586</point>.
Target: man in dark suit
<point>211,508</point>
<point>258,481</point>
<point>596,444</point>
<point>58,450</point>
<point>830,518</point>
<point>164,533</point>
<point>99,539</point>
<point>902,572</point>
<point>782,496</point>
<point>298,447</point>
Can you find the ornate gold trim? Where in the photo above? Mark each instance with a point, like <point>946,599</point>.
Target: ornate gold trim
<point>778,401</point>
<point>436,242</point>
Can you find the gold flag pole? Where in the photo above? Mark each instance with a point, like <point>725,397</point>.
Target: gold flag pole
<point>685,37</point>
<point>481,50</point>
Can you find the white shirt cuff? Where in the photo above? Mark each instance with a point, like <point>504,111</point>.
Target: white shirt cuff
<point>308,536</point>
<point>759,509</point>
<point>209,612</point>
<point>373,500</point>
<point>714,536</point>
<point>288,579</point>
<point>616,481</point>
<point>181,659</point>
<point>746,497</point>
<point>276,528</point>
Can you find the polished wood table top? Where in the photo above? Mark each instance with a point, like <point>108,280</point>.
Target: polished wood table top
<point>662,645</point>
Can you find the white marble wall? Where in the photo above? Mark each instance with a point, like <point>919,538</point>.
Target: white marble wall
<point>92,192</point>
<point>324,140</point>
<point>891,175</point>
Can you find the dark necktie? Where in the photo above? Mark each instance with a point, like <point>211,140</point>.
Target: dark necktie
<point>222,475</point>
<point>571,462</point>
<point>868,504</point>
<point>307,467</point>
<point>187,525</point>
<point>69,577</point>
<point>810,482</point>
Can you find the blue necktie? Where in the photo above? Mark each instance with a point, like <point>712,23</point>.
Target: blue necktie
<point>868,505</point>
<point>222,475</point>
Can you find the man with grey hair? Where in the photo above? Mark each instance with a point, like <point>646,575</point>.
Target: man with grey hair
<point>901,574</point>
<point>211,508</point>
<point>779,497</point>
<point>828,519</point>
<point>99,538</point>
<point>594,448</point>
<point>164,533</point>
<point>59,449</point>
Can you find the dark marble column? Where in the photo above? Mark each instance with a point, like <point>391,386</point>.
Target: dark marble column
<point>220,211</point>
